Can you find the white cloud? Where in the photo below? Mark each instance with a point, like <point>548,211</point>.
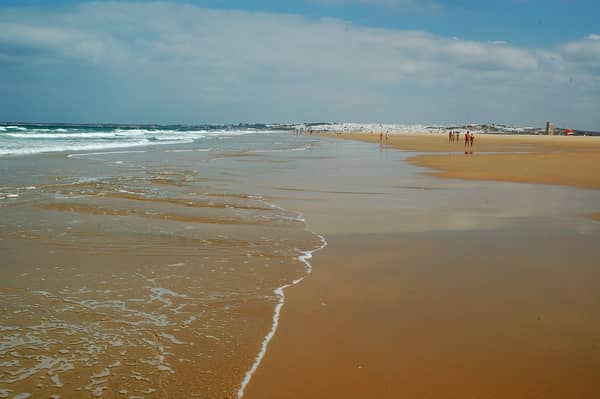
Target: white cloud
<point>593,37</point>
<point>186,35</point>
<point>216,65</point>
<point>421,5</point>
<point>68,42</point>
<point>583,55</point>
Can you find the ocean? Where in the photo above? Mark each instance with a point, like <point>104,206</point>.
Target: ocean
<point>34,139</point>
<point>143,261</point>
<point>148,261</point>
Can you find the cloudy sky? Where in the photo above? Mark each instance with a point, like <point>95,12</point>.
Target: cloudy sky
<point>218,61</point>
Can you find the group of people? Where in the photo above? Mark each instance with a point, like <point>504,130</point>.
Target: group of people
<point>454,137</point>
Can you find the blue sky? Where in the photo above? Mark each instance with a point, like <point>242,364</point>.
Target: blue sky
<point>524,22</point>
<point>408,61</point>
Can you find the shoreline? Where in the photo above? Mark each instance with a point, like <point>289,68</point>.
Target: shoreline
<point>345,330</point>
<point>467,317</point>
<point>280,292</point>
<point>559,160</point>
<point>171,257</point>
<point>368,215</point>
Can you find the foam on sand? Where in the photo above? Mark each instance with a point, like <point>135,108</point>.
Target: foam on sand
<point>280,293</point>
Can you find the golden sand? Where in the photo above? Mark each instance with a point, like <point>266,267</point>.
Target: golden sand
<point>97,210</point>
<point>115,294</point>
<point>572,161</point>
<point>499,313</point>
<point>437,314</point>
<point>449,315</point>
<point>563,168</point>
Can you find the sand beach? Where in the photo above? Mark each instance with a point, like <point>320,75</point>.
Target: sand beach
<point>571,161</point>
<point>486,291</point>
<point>277,199</point>
<point>271,265</point>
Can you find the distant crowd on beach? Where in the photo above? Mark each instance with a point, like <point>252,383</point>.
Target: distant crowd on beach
<point>382,135</point>
<point>454,137</point>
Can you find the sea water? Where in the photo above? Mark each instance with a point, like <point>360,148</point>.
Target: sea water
<point>143,261</point>
<point>159,269</point>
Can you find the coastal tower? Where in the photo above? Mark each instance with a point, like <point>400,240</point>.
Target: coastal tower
<point>549,128</point>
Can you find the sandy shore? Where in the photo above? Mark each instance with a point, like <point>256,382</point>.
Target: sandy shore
<point>489,293</point>
<point>139,273</point>
<point>155,273</point>
<point>572,161</point>
<point>423,316</point>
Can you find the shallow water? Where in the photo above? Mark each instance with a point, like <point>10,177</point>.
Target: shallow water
<point>155,271</point>
<point>150,272</point>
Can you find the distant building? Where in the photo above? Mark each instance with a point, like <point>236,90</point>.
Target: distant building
<point>549,128</point>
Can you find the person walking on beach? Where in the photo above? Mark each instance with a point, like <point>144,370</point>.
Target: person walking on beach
<point>471,139</point>
<point>450,136</point>
<point>467,138</point>
<point>381,137</point>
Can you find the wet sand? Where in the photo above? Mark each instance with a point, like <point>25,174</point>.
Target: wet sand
<point>564,168</point>
<point>155,274</point>
<point>571,161</point>
<point>152,277</point>
<point>425,316</point>
<point>459,289</point>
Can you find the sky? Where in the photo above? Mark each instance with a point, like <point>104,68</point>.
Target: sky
<point>516,62</point>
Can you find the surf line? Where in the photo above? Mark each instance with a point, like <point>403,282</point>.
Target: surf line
<point>280,292</point>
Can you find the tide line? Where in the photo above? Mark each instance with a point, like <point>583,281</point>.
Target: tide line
<point>280,292</point>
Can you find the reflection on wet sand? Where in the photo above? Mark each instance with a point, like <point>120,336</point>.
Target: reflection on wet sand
<point>306,190</point>
<point>97,210</point>
<point>153,275</point>
<point>594,216</point>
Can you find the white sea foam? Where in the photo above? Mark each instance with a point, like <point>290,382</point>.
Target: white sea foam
<point>56,147</point>
<point>91,135</point>
<point>102,373</point>
<point>97,391</point>
<point>171,338</point>
<point>44,363</point>
<point>160,294</point>
<point>189,321</point>
<point>26,141</point>
<point>85,154</point>
<point>162,367</point>
<point>179,150</point>
<point>303,148</point>
<point>56,380</point>
<point>9,363</point>
<point>34,141</point>
<point>280,293</point>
